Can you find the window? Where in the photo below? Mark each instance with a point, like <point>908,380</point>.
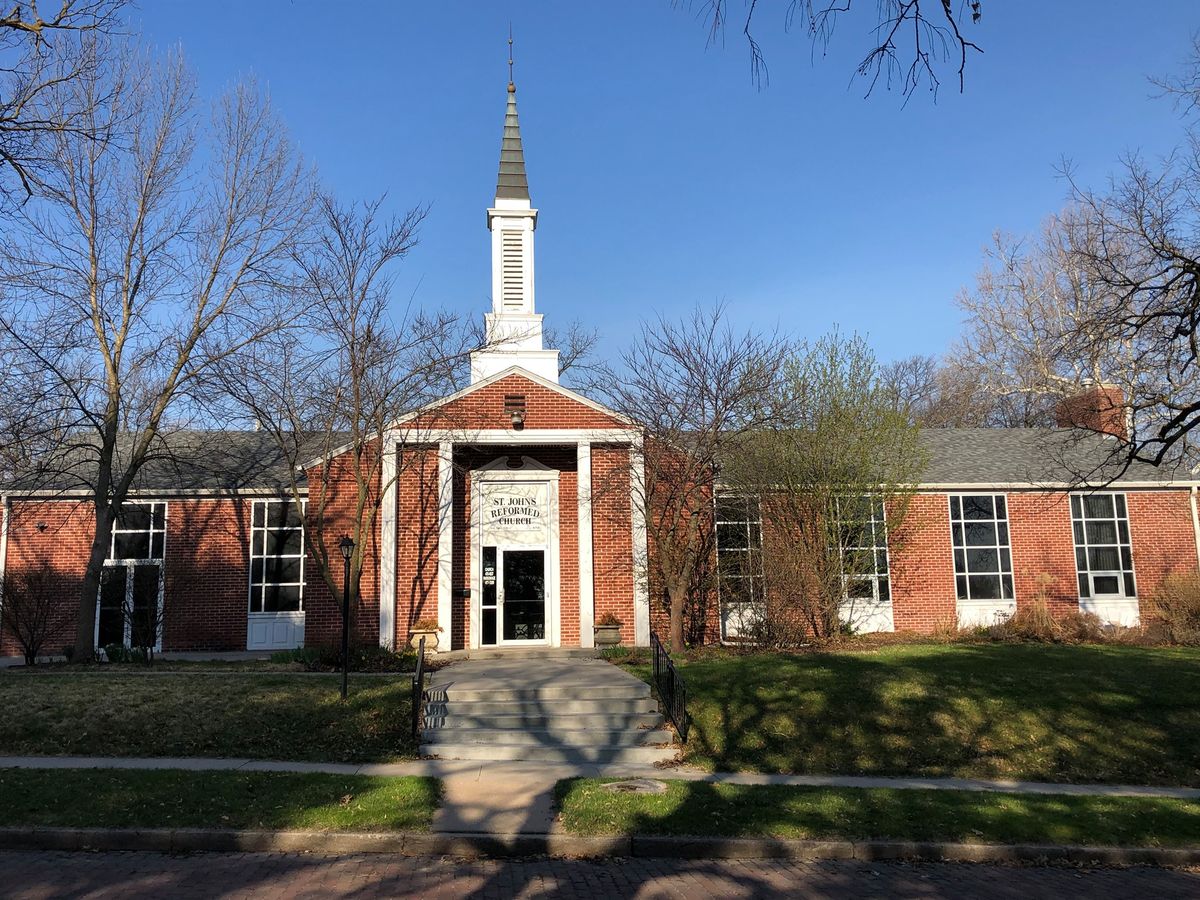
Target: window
<point>862,527</point>
<point>129,604</point>
<point>139,532</point>
<point>276,557</point>
<point>739,549</point>
<point>982,555</point>
<point>1103,556</point>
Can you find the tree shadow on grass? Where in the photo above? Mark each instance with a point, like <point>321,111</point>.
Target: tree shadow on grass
<point>1030,712</point>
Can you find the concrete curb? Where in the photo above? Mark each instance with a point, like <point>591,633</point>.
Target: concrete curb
<point>189,840</point>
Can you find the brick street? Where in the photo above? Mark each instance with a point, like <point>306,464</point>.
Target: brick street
<point>132,875</point>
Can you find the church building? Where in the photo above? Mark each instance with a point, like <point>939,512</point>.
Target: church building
<point>509,513</point>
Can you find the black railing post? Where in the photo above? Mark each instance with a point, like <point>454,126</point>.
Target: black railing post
<point>418,692</point>
<point>672,693</point>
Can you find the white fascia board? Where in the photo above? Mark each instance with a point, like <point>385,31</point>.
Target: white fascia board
<point>83,493</point>
<point>1057,487</point>
<point>432,436</point>
<point>1052,486</point>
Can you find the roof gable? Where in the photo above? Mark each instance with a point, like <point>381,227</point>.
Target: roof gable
<point>482,406</point>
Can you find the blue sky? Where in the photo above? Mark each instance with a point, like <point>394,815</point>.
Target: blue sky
<point>665,178</point>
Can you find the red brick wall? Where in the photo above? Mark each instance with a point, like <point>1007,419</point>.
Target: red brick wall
<point>206,574</point>
<point>1163,537</point>
<point>322,607</point>
<point>1043,550</point>
<point>206,568</point>
<point>64,543</point>
<point>416,539</point>
<point>922,567</point>
<point>544,408</point>
<point>612,538</point>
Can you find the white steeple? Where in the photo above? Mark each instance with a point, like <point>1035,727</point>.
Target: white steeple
<point>513,328</point>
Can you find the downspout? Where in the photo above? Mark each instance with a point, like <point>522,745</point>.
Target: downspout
<point>1195,525</point>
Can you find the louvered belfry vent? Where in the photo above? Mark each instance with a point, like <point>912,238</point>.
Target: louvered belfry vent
<point>512,270</point>
<point>514,403</point>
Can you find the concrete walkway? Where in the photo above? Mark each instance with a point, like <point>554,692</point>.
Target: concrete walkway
<point>480,769</point>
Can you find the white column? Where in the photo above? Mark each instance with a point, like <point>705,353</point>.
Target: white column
<point>587,594</point>
<point>641,582</point>
<point>387,546</point>
<point>445,600</point>
<point>7,513</point>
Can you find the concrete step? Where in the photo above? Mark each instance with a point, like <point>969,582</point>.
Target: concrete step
<point>457,718</point>
<point>620,707</point>
<point>565,738</point>
<point>626,690</point>
<point>571,755</point>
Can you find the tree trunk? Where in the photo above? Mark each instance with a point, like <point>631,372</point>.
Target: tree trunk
<point>85,632</point>
<point>678,594</point>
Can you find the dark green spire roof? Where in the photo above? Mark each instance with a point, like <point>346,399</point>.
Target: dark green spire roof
<point>511,183</point>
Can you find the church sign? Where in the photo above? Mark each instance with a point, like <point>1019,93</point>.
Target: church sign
<point>516,513</point>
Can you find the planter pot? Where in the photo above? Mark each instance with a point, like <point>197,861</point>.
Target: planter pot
<point>431,640</point>
<point>608,635</point>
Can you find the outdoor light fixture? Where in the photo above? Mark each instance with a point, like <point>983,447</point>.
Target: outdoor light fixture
<point>346,545</point>
<point>518,419</point>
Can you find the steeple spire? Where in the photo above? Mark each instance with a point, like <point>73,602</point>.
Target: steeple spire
<point>511,183</point>
<point>513,327</point>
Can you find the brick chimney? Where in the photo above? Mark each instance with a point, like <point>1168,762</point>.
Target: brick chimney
<point>1097,407</point>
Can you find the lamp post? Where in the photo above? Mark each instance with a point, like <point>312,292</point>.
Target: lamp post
<point>346,545</point>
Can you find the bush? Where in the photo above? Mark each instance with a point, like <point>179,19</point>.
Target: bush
<point>117,653</point>
<point>1034,622</point>
<point>307,658</point>
<point>362,659</point>
<point>1176,607</point>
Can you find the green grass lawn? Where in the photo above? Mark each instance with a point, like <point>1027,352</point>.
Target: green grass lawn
<point>261,716</point>
<point>724,810</point>
<point>1026,711</point>
<point>110,798</point>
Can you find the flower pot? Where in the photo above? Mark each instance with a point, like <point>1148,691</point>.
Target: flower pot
<point>608,635</point>
<point>431,640</point>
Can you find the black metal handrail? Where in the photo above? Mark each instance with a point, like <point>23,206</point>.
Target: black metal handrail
<point>418,692</point>
<point>672,692</point>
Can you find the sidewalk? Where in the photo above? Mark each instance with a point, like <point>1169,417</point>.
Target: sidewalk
<point>483,797</point>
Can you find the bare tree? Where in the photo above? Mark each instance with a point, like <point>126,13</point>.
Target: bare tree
<point>1032,335</point>
<point>141,264</point>
<point>34,608</point>
<point>327,393</point>
<point>832,481</point>
<point>1140,243</point>
<point>936,393</point>
<point>38,55</point>
<point>695,387</point>
<point>909,43</point>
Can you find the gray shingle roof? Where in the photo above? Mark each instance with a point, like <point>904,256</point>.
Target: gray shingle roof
<point>1031,456</point>
<point>232,461</point>
<point>202,461</point>
<point>511,182</point>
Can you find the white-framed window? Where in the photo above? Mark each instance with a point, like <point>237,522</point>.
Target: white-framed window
<point>129,602</point>
<point>982,552</point>
<point>862,527</point>
<point>739,549</point>
<point>276,556</point>
<point>140,532</point>
<point>1103,552</point>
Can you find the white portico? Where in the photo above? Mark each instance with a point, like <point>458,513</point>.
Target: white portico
<point>507,493</point>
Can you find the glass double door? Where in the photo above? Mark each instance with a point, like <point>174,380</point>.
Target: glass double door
<point>513,605</point>
<point>128,609</point>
